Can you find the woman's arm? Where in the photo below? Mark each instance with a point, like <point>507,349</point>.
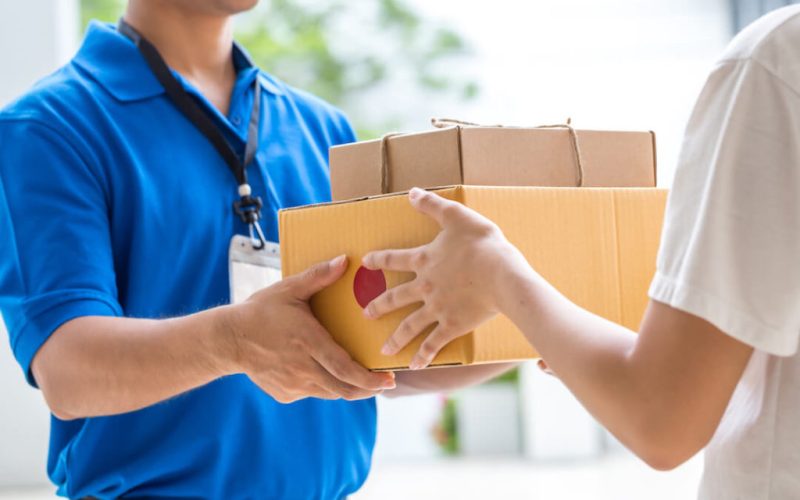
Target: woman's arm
<point>662,393</point>
<point>445,379</point>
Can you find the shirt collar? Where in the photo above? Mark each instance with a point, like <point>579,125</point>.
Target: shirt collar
<point>115,63</point>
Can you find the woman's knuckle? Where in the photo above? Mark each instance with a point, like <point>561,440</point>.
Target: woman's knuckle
<point>447,324</point>
<point>426,350</point>
<point>405,330</point>
<point>451,211</point>
<point>425,286</point>
<point>435,306</point>
<point>372,308</point>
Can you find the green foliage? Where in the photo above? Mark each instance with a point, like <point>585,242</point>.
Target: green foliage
<point>509,377</point>
<point>445,433</point>
<point>104,10</point>
<point>342,50</point>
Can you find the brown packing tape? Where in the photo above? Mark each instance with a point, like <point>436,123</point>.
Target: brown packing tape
<point>386,170</point>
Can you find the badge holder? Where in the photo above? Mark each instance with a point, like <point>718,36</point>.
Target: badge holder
<point>253,262</point>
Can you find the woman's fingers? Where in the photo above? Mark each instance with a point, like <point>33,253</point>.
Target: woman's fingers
<point>414,324</point>
<point>394,298</point>
<point>442,210</point>
<point>391,260</point>
<point>434,342</point>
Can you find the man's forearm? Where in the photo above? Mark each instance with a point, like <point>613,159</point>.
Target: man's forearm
<point>412,382</point>
<point>93,366</point>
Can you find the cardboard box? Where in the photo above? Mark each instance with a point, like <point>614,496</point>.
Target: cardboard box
<point>493,156</point>
<point>597,245</point>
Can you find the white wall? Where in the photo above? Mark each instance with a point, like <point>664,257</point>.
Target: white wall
<point>36,36</point>
<point>625,64</point>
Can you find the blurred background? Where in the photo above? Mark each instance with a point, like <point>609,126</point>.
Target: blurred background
<point>392,65</point>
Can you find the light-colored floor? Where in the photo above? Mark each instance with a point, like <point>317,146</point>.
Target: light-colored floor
<point>618,477</point>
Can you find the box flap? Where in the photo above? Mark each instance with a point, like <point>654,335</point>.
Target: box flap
<point>423,159</point>
<point>495,156</point>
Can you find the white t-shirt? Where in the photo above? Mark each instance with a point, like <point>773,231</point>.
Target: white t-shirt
<point>731,251</point>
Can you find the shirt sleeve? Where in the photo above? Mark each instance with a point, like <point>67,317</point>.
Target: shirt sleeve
<point>345,134</point>
<point>731,238</point>
<point>56,261</point>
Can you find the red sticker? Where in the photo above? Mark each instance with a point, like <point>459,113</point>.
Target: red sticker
<point>368,285</point>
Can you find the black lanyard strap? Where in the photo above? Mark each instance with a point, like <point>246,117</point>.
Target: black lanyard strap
<point>248,207</point>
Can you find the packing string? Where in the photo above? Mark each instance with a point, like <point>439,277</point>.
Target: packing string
<point>576,150</point>
<point>386,172</point>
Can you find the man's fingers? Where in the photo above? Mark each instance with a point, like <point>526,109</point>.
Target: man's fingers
<point>336,389</point>
<point>542,364</point>
<point>404,260</point>
<point>339,364</point>
<point>318,276</point>
<point>395,298</point>
<point>442,210</point>
<point>434,343</point>
<point>414,324</point>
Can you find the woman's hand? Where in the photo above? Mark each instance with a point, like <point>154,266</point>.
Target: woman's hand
<point>459,277</point>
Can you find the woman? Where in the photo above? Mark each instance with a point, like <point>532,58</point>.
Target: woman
<point>722,327</point>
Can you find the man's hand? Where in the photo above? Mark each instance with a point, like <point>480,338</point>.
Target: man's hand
<point>281,346</point>
<point>459,277</point>
<point>100,365</point>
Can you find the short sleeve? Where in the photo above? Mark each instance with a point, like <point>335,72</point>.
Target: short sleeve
<point>345,134</point>
<point>731,238</point>
<point>56,261</point>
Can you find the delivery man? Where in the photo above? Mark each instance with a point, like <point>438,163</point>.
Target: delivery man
<point>123,177</point>
<point>722,328</point>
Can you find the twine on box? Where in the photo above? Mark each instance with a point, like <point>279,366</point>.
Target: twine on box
<point>576,150</point>
<point>386,170</point>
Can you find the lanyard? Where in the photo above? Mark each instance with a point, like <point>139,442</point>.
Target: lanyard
<point>248,207</point>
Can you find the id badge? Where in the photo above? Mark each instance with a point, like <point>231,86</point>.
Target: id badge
<point>251,269</point>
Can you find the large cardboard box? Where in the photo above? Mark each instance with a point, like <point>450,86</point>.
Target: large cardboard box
<point>596,245</point>
<point>493,156</point>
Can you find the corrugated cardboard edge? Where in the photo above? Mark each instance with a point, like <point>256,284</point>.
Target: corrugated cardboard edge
<point>363,198</point>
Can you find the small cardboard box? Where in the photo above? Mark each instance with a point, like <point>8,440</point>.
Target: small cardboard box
<point>493,156</point>
<point>596,245</point>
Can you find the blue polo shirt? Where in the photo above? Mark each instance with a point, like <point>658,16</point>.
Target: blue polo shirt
<point>113,204</point>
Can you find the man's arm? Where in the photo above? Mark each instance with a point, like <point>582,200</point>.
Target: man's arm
<point>93,366</point>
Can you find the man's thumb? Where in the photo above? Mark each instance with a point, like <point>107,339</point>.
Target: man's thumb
<point>319,276</point>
